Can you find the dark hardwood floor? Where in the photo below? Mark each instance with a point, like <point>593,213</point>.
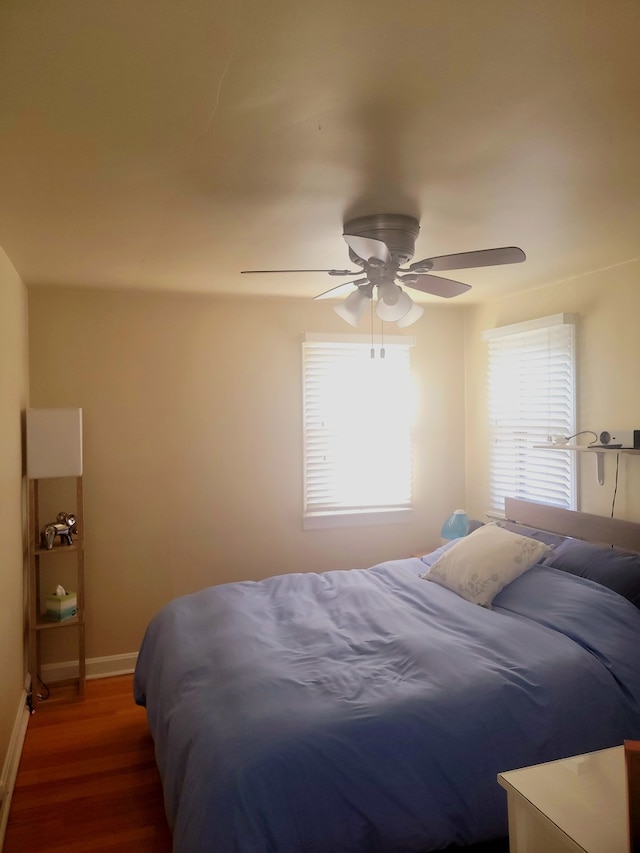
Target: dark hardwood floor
<point>87,779</point>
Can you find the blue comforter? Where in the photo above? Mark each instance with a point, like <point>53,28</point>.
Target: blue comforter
<point>370,710</point>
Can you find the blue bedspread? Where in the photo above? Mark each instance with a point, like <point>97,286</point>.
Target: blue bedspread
<point>370,710</point>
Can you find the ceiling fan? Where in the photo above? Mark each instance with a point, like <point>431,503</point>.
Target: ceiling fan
<point>381,245</point>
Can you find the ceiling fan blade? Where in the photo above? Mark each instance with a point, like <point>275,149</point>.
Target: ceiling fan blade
<point>331,272</point>
<point>434,284</point>
<point>340,289</point>
<point>367,247</point>
<point>469,260</point>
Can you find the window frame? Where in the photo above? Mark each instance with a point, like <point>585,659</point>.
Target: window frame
<point>536,462</point>
<point>349,516</point>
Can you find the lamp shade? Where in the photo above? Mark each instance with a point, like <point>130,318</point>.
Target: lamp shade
<point>54,443</point>
<point>388,292</point>
<point>397,310</point>
<point>353,306</point>
<point>415,312</point>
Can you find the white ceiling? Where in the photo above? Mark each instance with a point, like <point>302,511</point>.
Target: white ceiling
<point>168,145</point>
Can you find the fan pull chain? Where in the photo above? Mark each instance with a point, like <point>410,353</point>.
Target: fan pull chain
<point>373,352</point>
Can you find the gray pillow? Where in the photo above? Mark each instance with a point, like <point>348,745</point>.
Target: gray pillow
<point>611,567</point>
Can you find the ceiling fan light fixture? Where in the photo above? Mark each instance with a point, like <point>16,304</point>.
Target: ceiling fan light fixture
<point>353,307</point>
<point>414,313</point>
<point>388,292</point>
<point>400,308</point>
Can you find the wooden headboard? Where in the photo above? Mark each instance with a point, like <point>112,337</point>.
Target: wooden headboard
<point>579,525</point>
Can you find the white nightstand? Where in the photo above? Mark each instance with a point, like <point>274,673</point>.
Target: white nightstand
<point>574,805</point>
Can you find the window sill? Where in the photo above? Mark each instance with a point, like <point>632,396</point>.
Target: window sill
<point>356,518</point>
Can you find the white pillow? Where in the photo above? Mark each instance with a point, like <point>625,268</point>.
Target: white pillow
<point>478,566</point>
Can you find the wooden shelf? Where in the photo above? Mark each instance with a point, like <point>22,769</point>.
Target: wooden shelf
<point>40,626</point>
<point>57,549</point>
<point>43,622</point>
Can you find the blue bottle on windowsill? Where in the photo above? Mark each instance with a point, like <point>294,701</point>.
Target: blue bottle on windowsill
<point>455,526</point>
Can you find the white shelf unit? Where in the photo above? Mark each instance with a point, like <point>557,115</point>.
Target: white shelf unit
<point>600,452</point>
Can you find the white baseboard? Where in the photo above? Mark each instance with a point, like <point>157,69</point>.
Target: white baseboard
<point>112,665</point>
<point>11,762</point>
<point>102,667</point>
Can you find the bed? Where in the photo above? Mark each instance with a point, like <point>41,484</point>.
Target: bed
<point>371,709</point>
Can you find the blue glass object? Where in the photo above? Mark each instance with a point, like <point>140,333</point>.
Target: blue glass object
<point>456,525</point>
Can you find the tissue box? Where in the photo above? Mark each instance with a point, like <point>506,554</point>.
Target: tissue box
<point>61,607</point>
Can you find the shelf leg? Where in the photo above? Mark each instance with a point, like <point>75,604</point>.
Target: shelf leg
<point>600,467</point>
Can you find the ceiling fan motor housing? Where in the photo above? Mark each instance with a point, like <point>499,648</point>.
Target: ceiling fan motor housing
<point>397,230</point>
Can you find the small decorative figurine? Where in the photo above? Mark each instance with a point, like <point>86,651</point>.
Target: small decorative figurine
<point>69,519</point>
<point>64,527</point>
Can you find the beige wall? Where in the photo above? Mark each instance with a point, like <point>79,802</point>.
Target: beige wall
<point>193,431</point>
<point>13,401</point>
<point>193,445</point>
<point>608,346</point>
<point>192,422</point>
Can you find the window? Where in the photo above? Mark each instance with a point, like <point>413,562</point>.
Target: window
<point>358,414</point>
<point>532,396</point>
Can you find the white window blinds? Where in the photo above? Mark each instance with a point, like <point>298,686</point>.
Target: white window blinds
<point>532,395</point>
<point>357,425</point>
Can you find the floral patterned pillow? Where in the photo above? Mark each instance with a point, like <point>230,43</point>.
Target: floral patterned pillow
<point>481,564</point>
